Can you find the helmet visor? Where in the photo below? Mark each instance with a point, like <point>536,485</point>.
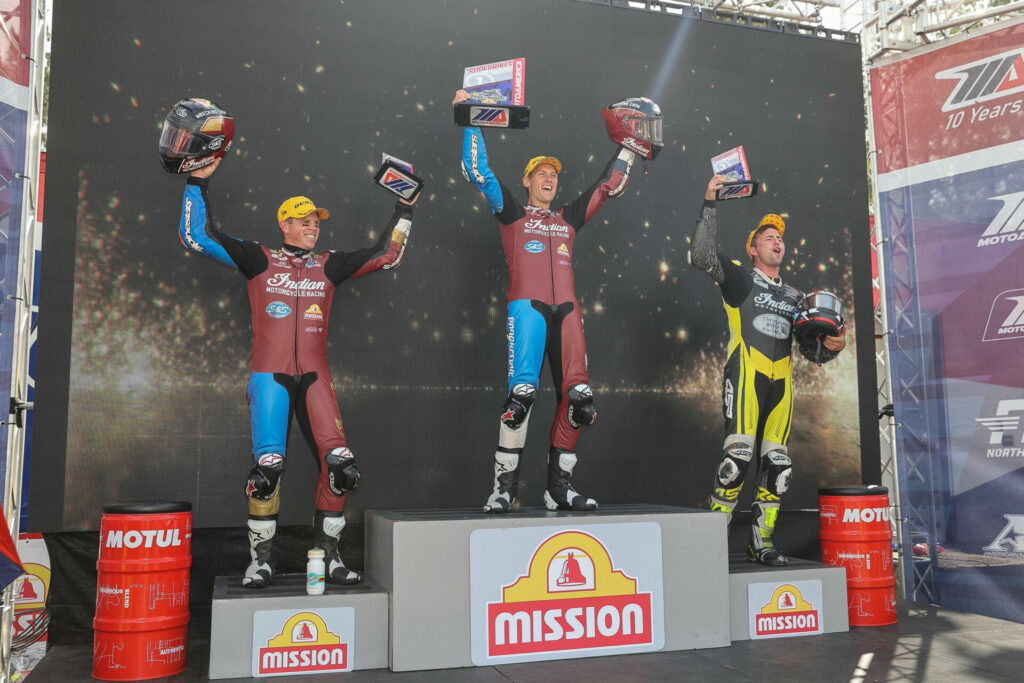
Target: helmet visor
<point>824,301</point>
<point>178,142</point>
<point>648,129</point>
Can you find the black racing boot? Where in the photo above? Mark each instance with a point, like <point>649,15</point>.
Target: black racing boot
<point>506,483</point>
<point>327,527</point>
<point>768,555</point>
<point>560,495</point>
<point>261,544</point>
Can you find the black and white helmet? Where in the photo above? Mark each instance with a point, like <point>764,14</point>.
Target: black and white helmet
<point>820,314</point>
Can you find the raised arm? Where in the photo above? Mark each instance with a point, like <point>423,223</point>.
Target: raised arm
<point>387,253</point>
<point>613,183</point>
<point>196,231</point>
<point>476,169</point>
<point>703,252</point>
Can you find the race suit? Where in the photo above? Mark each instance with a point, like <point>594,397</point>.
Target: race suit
<point>757,388</point>
<point>291,291</point>
<point>544,316</point>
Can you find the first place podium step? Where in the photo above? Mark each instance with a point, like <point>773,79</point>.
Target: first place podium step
<point>471,589</point>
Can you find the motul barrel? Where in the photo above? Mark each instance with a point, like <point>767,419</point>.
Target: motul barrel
<point>856,534</point>
<point>142,591</point>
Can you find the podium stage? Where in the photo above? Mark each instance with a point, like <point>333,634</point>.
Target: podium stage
<point>447,589</point>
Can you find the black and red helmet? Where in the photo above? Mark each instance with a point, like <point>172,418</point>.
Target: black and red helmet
<point>820,314</point>
<point>635,123</point>
<point>196,133</point>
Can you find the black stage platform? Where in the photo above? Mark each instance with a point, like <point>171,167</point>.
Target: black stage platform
<point>929,644</point>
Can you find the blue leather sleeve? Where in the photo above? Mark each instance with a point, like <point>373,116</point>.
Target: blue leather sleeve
<point>478,171</point>
<point>193,227</point>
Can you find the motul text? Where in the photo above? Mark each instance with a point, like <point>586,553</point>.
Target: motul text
<point>147,538</point>
<point>868,515</point>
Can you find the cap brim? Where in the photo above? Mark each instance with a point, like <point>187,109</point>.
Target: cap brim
<point>322,214</point>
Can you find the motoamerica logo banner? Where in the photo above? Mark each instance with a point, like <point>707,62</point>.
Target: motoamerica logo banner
<point>959,96</point>
<point>541,593</point>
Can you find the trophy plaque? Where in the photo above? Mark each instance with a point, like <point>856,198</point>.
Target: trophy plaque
<point>396,176</point>
<point>496,96</point>
<point>733,165</point>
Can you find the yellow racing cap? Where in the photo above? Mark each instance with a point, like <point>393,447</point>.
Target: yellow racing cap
<point>770,220</point>
<point>533,163</point>
<point>300,207</point>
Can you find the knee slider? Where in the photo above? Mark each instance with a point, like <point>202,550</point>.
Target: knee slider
<point>779,471</point>
<point>517,405</point>
<point>734,464</point>
<point>265,477</point>
<point>342,473</point>
<point>581,406</point>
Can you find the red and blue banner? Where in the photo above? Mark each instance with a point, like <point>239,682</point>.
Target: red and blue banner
<point>948,122</point>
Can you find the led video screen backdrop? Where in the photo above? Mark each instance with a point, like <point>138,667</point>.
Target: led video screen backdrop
<point>144,347</point>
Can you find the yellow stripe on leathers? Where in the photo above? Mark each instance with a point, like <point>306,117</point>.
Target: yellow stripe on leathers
<point>752,363</point>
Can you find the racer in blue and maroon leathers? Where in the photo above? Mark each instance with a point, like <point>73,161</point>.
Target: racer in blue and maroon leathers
<point>544,316</point>
<point>291,291</point>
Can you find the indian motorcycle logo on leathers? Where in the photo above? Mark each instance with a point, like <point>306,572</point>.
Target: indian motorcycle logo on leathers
<point>282,283</point>
<point>767,301</point>
<point>538,227</point>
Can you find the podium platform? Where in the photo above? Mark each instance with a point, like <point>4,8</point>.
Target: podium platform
<point>471,589</point>
<point>234,607</point>
<point>831,608</point>
<point>447,589</point>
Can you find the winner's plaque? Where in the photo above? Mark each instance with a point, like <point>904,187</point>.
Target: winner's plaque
<point>396,176</point>
<point>733,165</point>
<point>496,96</point>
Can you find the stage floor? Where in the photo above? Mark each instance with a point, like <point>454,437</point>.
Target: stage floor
<point>927,644</point>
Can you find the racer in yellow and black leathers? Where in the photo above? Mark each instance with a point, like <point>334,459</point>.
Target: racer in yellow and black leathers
<point>757,389</point>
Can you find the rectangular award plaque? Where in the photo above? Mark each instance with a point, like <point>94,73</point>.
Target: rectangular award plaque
<point>496,95</point>
<point>733,165</point>
<point>396,176</point>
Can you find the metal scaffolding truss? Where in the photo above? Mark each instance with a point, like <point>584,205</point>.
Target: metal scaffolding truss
<point>815,18</point>
<point>899,26</point>
<point>29,39</point>
<point>886,25</point>
<point>798,11</point>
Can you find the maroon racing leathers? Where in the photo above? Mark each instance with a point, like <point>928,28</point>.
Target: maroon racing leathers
<point>543,312</point>
<point>291,292</point>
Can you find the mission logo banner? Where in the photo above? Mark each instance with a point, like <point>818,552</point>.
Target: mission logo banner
<point>782,610</point>
<point>543,593</point>
<point>291,642</point>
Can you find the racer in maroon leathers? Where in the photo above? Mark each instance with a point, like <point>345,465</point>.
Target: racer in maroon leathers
<point>544,316</point>
<point>291,290</point>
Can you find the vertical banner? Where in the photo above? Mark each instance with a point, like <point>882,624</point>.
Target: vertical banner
<point>948,122</point>
<point>15,46</point>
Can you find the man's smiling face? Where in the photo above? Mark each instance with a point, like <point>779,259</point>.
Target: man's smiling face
<point>542,185</point>
<point>302,232</point>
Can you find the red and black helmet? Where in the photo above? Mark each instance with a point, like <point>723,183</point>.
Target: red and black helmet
<point>196,133</point>
<point>820,314</point>
<point>635,123</point>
